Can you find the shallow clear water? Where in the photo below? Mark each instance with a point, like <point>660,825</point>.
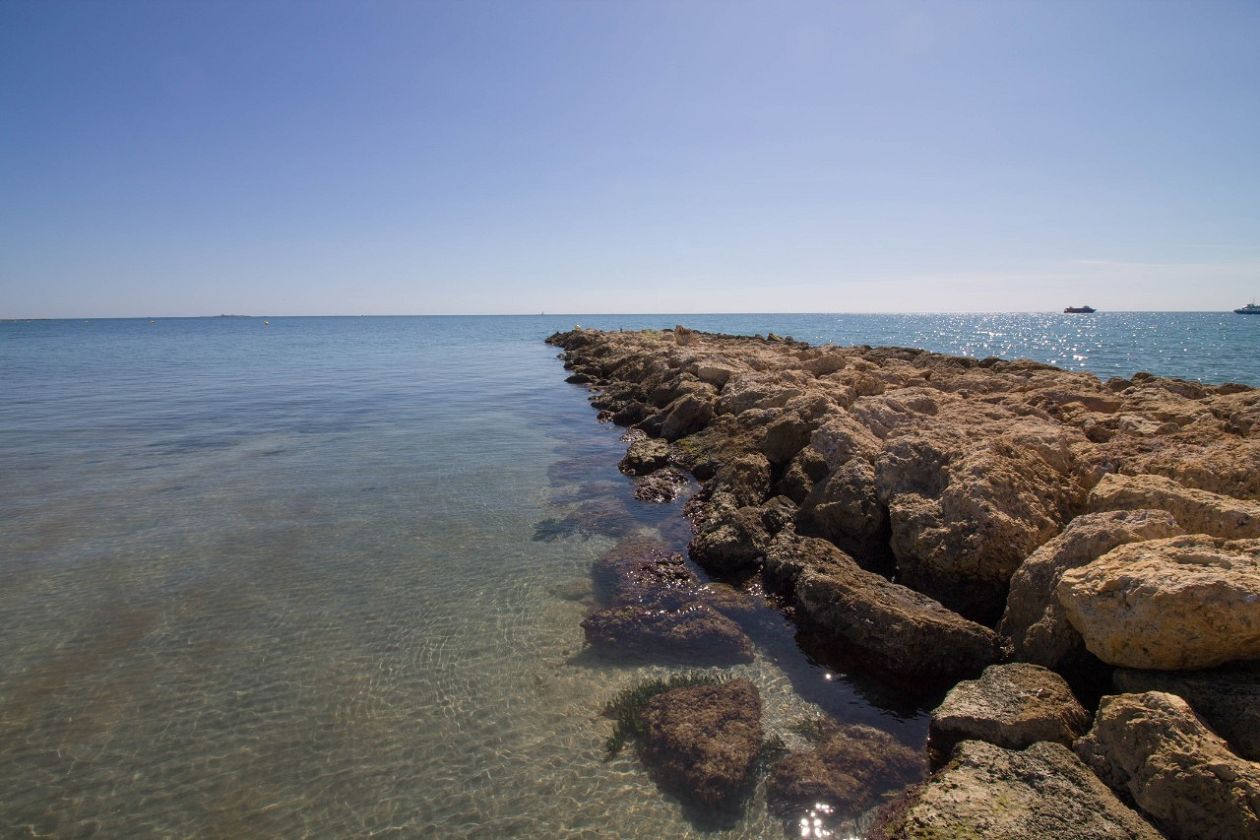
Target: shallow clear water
<point>325,577</point>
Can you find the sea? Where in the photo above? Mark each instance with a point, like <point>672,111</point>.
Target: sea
<point>324,577</point>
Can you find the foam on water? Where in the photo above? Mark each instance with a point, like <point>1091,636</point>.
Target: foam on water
<point>326,577</point>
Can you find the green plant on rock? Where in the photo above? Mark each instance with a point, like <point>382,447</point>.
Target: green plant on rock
<point>626,708</point>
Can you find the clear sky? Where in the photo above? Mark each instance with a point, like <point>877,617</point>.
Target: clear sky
<point>167,158</point>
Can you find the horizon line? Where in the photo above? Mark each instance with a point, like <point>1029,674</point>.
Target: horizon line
<point>152,317</point>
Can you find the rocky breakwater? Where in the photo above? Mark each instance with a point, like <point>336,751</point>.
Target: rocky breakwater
<point>929,516</point>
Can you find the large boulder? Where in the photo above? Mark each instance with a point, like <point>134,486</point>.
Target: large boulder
<point>848,769</point>
<point>990,792</point>
<point>703,741</point>
<point>967,503</point>
<point>1034,620</point>
<point>731,541</point>
<point>845,508</point>
<point>685,415</point>
<point>1197,511</point>
<point>1013,706</point>
<point>1178,603</point>
<point>1153,748</point>
<point>869,618</point>
<point>746,478</point>
<point>1226,698</point>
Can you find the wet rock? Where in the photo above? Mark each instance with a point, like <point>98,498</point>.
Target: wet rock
<point>1152,747</point>
<point>1035,621</point>
<point>846,772</point>
<point>994,793</point>
<point>1178,603</point>
<point>638,569</point>
<point>732,541</point>
<point>1012,706</point>
<point>731,602</point>
<point>893,628</point>
<point>670,629</point>
<point>746,478</point>
<point>1197,511</point>
<point>703,741</point>
<point>664,485</point>
<point>644,456</point>
<point>1226,698</point>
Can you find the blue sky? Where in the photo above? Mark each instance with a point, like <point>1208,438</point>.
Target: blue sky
<point>173,158</point>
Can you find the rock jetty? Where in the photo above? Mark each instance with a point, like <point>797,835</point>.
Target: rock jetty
<point>930,517</point>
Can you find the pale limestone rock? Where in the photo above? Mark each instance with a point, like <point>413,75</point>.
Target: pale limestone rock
<point>1034,620</point>
<point>1197,511</point>
<point>1153,748</point>
<point>1172,604</point>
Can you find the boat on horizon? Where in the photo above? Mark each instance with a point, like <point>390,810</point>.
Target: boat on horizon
<point>1079,310</point>
<point>1249,309</point>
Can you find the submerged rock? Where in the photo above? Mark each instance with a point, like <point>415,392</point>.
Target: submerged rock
<point>1012,706</point>
<point>670,630</point>
<point>994,793</point>
<point>1152,747</point>
<point>703,741</point>
<point>844,775</point>
<point>664,485</point>
<point>1178,603</point>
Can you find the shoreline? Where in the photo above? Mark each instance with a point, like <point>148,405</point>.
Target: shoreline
<point>939,517</point>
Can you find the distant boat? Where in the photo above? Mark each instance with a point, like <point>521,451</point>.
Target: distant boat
<point>1079,310</point>
<point>1249,309</point>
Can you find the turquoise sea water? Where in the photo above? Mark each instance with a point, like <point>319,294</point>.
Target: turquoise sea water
<point>325,577</point>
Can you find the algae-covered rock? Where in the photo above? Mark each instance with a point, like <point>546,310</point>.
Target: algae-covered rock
<point>703,741</point>
<point>1152,747</point>
<point>849,768</point>
<point>1178,603</point>
<point>670,629</point>
<point>987,792</point>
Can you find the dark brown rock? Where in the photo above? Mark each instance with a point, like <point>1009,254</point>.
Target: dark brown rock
<point>732,541</point>
<point>664,485</point>
<point>866,616</point>
<point>645,455</point>
<point>670,629</point>
<point>703,741</point>
<point>846,772</point>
